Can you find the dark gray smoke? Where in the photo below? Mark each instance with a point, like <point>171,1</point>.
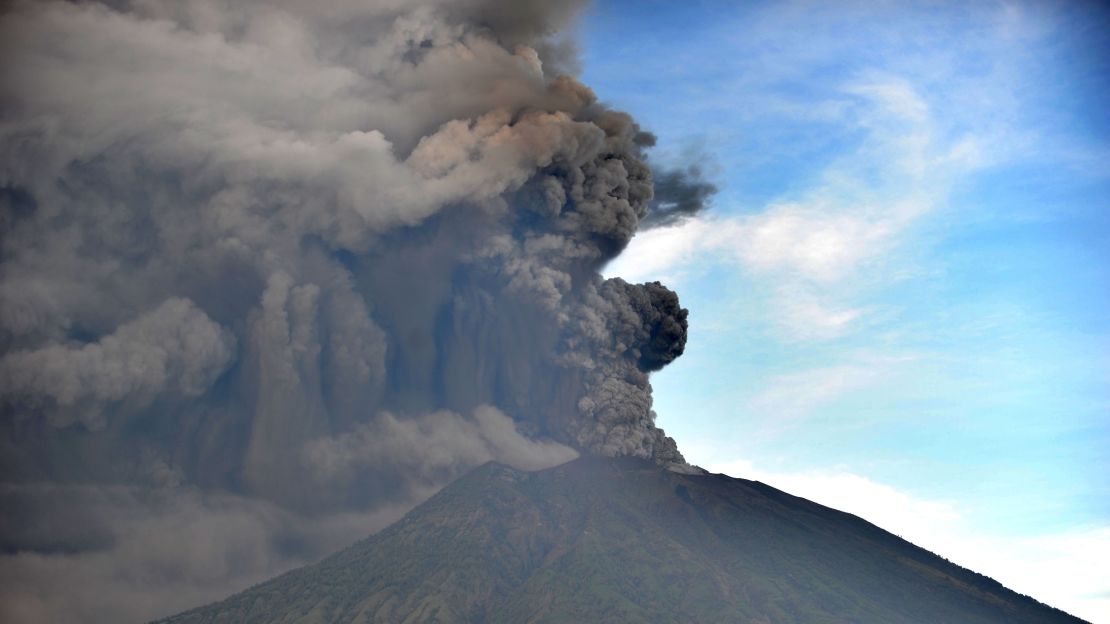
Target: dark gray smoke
<point>679,194</point>
<point>274,272</point>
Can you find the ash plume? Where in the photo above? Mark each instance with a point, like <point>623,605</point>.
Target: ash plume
<point>679,194</point>
<point>284,269</point>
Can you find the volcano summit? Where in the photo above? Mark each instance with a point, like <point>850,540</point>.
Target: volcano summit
<point>624,541</point>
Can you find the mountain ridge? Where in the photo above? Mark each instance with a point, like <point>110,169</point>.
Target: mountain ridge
<point>623,540</point>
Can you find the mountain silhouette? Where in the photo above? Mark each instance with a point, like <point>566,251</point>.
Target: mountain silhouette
<point>622,540</point>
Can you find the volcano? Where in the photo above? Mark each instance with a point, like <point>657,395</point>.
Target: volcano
<point>623,540</point>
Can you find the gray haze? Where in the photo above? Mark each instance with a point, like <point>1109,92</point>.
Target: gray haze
<point>272,273</point>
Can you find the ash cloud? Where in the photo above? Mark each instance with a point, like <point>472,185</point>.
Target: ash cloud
<point>278,271</point>
<point>679,195</point>
<point>174,350</point>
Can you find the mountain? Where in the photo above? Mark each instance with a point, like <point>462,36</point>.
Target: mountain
<point>622,540</point>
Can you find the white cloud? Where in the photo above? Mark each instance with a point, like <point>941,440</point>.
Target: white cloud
<point>805,314</point>
<point>1065,569</point>
<point>814,241</point>
<point>665,253</point>
<point>793,395</point>
<point>790,399</point>
<point>897,97</point>
<point>847,229</point>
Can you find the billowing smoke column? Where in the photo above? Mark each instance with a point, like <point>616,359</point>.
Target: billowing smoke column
<point>272,273</point>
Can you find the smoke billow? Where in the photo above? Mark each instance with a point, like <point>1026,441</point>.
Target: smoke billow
<point>679,194</point>
<point>274,272</point>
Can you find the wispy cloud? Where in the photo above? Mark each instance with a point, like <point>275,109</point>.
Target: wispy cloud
<point>843,231</point>
<point>876,136</point>
<point>794,396</point>
<point>878,158</point>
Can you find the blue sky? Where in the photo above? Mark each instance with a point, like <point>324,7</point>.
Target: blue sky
<point>900,299</point>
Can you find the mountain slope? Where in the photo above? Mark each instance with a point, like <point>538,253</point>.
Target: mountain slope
<point>604,540</point>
